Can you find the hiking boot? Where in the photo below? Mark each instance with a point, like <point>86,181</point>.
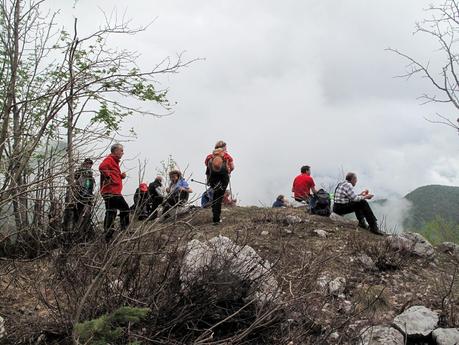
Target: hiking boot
<point>375,229</point>
<point>216,223</point>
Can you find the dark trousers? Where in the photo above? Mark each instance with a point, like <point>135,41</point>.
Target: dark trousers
<point>219,183</point>
<point>113,203</point>
<point>361,208</point>
<point>155,202</point>
<point>173,200</point>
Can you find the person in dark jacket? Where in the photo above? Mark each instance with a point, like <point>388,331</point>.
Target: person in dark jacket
<point>84,192</point>
<point>111,185</point>
<point>141,200</point>
<point>156,195</point>
<point>280,202</point>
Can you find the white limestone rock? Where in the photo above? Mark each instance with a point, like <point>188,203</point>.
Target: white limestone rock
<point>417,321</point>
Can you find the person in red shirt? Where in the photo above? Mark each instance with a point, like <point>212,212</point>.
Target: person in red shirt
<point>111,186</point>
<point>219,165</point>
<point>303,185</point>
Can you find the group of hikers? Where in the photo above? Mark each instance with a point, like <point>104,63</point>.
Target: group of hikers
<point>345,199</point>
<point>149,198</point>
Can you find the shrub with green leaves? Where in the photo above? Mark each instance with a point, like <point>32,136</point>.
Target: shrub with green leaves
<point>109,328</point>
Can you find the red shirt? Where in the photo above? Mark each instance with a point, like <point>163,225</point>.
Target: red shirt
<point>226,157</point>
<point>110,176</point>
<point>302,186</point>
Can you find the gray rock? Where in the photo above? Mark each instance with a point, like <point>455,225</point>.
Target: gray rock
<point>451,248</point>
<point>336,286</point>
<point>2,328</point>
<point>321,233</point>
<point>366,262</point>
<point>264,233</point>
<point>446,336</point>
<point>381,335</point>
<point>416,321</point>
<point>221,253</point>
<point>340,219</point>
<point>292,220</point>
<point>412,242</point>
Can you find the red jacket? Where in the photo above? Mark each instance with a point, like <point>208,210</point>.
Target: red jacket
<point>110,176</point>
<point>226,157</point>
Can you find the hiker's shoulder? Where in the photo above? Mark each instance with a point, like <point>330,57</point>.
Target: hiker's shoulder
<point>227,156</point>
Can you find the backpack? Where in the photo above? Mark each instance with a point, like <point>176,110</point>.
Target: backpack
<point>85,182</point>
<point>217,163</point>
<point>322,206</point>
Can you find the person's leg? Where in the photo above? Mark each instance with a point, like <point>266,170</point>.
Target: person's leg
<point>123,206</point>
<point>170,203</point>
<point>110,215</point>
<point>157,200</point>
<point>218,184</point>
<point>368,214</point>
<point>343,209</point>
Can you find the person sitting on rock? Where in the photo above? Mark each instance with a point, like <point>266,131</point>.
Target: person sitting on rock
<point>141,199</point>
<point>156,193</point>
<point>347,201</point>
<point>280,202</point>
<point>178,192</point>
<point>303,184</point>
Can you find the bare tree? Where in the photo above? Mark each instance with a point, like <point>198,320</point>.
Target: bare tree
<point>60,95</point>
<point>442,25</point>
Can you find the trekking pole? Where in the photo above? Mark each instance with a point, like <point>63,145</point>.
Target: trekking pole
<point>193,180</point>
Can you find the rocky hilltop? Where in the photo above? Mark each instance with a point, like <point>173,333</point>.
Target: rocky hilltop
<point>263,276</point>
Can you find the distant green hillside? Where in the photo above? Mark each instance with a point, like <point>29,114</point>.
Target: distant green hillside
<point>433,202</point>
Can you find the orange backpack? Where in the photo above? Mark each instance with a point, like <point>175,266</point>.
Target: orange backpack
<point>217,162</point>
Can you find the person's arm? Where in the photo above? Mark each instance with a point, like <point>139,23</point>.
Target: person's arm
<point>106,170</point>
<point>350,193</point>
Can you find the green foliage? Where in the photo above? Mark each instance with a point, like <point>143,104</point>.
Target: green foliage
<point>430,202</point>
<point>109,328</point>
<point>440,230</point>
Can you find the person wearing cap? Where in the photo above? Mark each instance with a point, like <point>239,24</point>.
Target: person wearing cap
<point>111,186</point>
<point>141,198</point>
<point>84,192</point>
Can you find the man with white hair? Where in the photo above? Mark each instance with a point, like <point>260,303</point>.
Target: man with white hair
<point>111,186</point>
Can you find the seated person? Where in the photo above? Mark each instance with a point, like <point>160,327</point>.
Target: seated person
<point>303,185</point>
<point>280,202</point>
<point>141,199</point>
<point>347,201</point>
<point>178,192</point>
<point>228,200</point>
<point>207,197</point>
<point>156,195</point>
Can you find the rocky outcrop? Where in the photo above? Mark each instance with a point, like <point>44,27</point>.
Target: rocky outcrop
<point>341,220</point>
<point>382,335</point>
<point>417,321</point>
<point>446,336</point>
<point>223,256</point>
<point>450,248</point>
<point>412,242</point>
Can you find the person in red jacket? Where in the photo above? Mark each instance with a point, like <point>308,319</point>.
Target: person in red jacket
<point>110,187</point>
<point>219,167</point>
<point>303,185</point>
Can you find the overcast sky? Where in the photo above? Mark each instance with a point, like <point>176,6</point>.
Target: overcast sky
<point>287,83</point>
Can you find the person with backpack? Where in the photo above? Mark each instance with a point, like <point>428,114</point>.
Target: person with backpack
<point>84,192</point>
<point>111,185</point>
<point>219,165</point>
<point>141,199</point>
<point>346,200</point>
<point>178,192</point>
<point>303,184</point>
<point>156,196</point>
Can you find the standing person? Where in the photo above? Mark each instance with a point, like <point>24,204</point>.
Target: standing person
<point>178,190</point>
<point>111,185</point>
<point>303,184</point>
<point>219,165</point>
<point>347,201</point>
<point>84,182</point>
<point>156,194</point>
